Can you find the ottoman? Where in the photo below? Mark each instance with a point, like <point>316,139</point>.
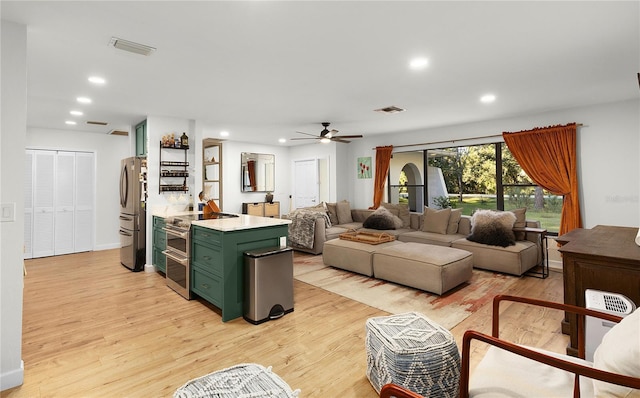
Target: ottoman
<point>352,256</point>
<point>240,381</point>
<point>414,352</point>
<point>433,268</point>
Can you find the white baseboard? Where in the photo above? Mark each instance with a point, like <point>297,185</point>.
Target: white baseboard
<point>555,265</point>
<point>150,268</point>
<point>12,378</point>
<point>107,247</point>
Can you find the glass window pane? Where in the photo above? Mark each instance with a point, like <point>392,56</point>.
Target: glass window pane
<point>520,191</point>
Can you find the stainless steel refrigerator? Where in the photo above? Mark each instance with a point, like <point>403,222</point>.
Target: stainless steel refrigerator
<point>132,213</point>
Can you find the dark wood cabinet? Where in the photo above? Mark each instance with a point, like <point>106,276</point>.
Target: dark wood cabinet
<point>602,258</point>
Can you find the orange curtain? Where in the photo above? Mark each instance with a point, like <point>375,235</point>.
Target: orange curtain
<point>548,156</point>
<point>383,158</point>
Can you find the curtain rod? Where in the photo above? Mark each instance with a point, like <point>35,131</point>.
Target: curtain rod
<point>461,139</point>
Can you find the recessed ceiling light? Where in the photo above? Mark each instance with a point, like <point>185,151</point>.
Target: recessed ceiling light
<point>282,140</point>
<point>71,122</point>
<point>224,133</point>
<point>84,100</point>
<point>418,63</point>
<point>488,98</point>
<point>76,113</point>
<point>97,80</point>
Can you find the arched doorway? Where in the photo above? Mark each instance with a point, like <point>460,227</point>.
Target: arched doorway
<point>413,189</point>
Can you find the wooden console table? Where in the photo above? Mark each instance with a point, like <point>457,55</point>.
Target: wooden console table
<point>603,258</point>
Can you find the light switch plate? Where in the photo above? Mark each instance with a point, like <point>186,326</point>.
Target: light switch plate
<point>8,212</point>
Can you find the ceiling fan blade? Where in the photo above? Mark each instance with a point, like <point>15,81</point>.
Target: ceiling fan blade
<point>302,132</point>
<point>351,136</point>
<point>310,138</point>
<point>340,140</point>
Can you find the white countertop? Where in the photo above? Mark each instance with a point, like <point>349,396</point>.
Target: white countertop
<point>241,222</point>
<point>164,213</point>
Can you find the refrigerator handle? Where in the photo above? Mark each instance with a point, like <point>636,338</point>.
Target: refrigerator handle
<point>124,186</point>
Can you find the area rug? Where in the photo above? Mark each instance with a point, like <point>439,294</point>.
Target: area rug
<point>447,310</point>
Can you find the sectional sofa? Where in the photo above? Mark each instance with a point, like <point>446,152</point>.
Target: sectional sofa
<point>515,259</point>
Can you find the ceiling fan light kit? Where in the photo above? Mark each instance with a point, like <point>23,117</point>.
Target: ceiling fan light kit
<point>327,135</point>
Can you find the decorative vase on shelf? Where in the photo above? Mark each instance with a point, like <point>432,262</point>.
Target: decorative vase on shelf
<point>269,197</point>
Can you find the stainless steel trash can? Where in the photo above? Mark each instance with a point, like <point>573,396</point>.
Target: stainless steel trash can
<point>268,284</point>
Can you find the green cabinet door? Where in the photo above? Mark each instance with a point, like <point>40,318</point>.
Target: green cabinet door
<point>217,263</point>
<point>141,139</point>
<point>159,244</point>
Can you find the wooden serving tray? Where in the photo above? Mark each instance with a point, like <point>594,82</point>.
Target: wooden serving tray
<point>371,238</point>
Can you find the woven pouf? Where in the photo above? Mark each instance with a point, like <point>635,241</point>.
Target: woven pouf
<point>412,351</point>
<point>240,381</point>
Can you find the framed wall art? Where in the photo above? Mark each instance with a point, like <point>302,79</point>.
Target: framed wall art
<point>364,167</point>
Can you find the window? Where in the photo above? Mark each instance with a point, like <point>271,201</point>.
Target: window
<point>470,177</point>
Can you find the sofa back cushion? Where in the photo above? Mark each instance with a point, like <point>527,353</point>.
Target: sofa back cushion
<point>343,210</point>
<point>436,221</point>
<point>401,210</point>
<point>521,222</point>
<point>333,212</point>
<point>464,226</point>
<point>454,220</point>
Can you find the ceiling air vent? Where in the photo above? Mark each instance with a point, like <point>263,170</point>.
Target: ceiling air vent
<point>131,46</point>
<point>97,123</point>
<point>390,109</point>
<point>119,132</point>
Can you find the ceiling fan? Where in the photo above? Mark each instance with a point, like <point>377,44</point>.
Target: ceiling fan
<point>327,135</point>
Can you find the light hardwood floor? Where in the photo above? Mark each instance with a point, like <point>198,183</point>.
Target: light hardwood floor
<point>92,328</point>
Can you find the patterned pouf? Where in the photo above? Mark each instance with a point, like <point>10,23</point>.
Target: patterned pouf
<point>412,351</point>
<point>240,381</point>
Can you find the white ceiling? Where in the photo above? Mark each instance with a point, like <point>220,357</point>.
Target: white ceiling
<point>263,70</point>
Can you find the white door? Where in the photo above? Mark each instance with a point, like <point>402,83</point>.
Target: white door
<point>84,199</point>
<point>306,183</point>
<point>59,197</point>
<point>65,206</point>
<point>28,203</point>
<point>43,203</point>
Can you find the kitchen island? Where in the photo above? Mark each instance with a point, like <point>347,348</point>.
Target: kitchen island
<point>217,256</point>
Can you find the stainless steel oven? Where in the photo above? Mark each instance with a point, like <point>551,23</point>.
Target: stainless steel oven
<point>178,256</point>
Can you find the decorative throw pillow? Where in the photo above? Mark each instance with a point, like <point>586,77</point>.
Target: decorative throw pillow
<point>343,210</point>
<point>454,220</point>
<point>382,219</point>
<point>619,352</point>
<point>333,213</point>
<point>493,228</point>
<point>436,220</point>
<point>402,212</point>
<point>521,222</point>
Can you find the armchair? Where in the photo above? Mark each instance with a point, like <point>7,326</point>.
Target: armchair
<point>511,370</point>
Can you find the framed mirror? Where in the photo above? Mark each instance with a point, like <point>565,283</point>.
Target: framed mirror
<point>258,172</point>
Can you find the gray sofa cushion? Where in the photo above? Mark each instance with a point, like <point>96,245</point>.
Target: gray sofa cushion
<point>429,238</point>
<point>343,209</point>
<point>515,260</point>
<point>436,220</point>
